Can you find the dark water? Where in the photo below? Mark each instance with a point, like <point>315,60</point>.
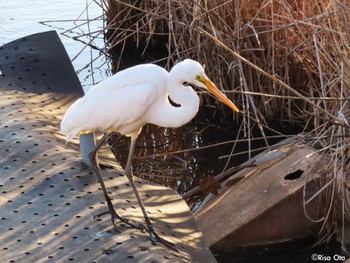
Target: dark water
<point>291,252</point>
<point>208,145</point>
<point>180,157</point>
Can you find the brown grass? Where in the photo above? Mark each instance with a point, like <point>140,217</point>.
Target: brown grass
<point>284,60</point>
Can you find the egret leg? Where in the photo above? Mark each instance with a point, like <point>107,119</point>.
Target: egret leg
<point>153,235</point>
<point>96,169</point>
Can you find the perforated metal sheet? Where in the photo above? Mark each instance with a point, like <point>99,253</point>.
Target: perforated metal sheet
<point>38,63</point>
<point>48,200</point>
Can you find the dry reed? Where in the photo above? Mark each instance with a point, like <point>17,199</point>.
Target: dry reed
<point>285,60</point>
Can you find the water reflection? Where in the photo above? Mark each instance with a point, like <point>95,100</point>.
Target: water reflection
<point>180,157</point>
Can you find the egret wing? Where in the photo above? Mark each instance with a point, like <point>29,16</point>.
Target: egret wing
<point>121,110</point>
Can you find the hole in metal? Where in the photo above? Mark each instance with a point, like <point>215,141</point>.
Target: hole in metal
<point>295,175</point>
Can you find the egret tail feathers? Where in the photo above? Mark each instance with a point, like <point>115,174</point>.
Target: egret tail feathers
<point>71,134</point>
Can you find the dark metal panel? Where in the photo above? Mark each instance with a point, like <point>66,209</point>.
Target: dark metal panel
<point>38,63</point>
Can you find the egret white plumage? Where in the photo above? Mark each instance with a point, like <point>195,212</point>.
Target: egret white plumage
<point>128,100</point>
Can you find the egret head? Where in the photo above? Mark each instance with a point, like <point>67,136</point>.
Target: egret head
<point>193,72</point>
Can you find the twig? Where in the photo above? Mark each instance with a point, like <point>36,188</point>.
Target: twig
<point>218,178</point>
<point>273,78</point>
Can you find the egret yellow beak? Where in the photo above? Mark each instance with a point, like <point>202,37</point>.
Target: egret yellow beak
<point>217,93</point>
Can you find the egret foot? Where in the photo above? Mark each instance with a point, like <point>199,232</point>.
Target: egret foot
<point>115,217</point>
<point>154,237</point>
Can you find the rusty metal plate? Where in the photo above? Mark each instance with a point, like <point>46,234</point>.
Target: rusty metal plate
<point>266,206</point>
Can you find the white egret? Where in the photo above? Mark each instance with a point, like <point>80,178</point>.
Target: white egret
<point>128,100</point>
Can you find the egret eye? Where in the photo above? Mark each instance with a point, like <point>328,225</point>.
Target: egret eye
<point>198,77</point>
